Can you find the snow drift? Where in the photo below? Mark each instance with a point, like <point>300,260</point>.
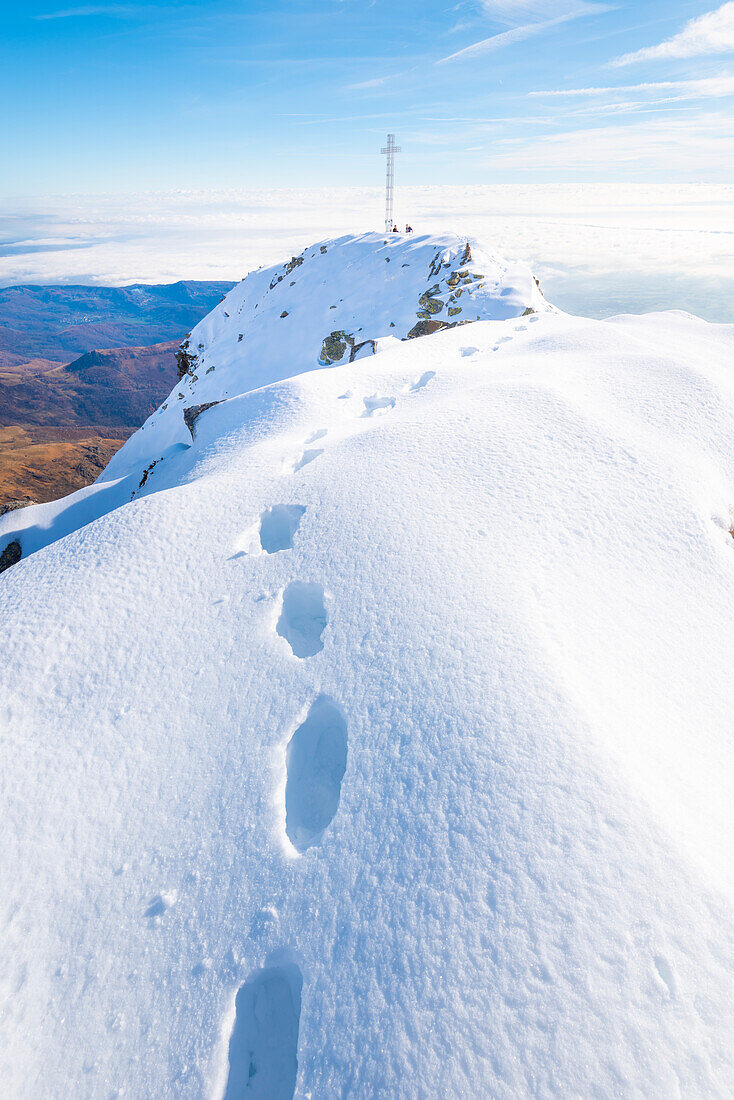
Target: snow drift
<point>382,744</point>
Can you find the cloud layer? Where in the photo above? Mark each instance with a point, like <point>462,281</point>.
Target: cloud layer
<point>597,248</point>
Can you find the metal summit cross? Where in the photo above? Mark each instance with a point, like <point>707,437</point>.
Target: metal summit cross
<point>390,150</point>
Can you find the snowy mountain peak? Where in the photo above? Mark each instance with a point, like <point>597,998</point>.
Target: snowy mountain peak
<point>335,303</point>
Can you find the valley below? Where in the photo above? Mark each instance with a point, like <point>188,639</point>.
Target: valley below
<point>80,370</point>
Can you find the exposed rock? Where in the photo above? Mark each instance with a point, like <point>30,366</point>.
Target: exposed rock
<point>185,360</point>
<point>528,311</point>
<point>335,346</point>
<point>466,255</point>
<point>11,555</point>
<point>192,413</point>
<point>323,249</point>
<point>209,370</point>
<point>427,328</point>
<point>435,267</point>
<point>144,478</point>
<point>356,348</point>
<point>284,314</point>
<point>12,505</point>
<point>293,263</point>
<point>430,304</point>
<point>453,310</point>
<point>239,337</point>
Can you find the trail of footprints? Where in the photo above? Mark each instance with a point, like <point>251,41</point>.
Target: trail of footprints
<point>263,1045</point>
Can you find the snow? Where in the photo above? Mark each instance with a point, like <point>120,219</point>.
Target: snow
<point>381,745</point>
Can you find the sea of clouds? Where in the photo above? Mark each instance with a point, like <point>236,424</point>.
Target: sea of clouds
<point>598,249</point>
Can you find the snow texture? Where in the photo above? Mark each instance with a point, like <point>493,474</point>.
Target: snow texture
<point>389,754</point>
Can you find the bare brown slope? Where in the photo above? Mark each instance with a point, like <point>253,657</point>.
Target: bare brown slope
<point>60,425</point>
<point>42,464</point>
<point>113,388</point>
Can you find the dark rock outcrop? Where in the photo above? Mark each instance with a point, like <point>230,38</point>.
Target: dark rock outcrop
<point>11,555</point>
<point>12,505</point>
<point>428,327</point>
<point>356,348</point>
<point>185,360</point>
<point>192,413</point>
<point>334,347</point>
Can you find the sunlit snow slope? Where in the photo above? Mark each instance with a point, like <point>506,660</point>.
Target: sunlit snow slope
<point>382,744</point>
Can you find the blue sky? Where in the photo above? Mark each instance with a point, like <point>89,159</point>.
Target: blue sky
<point>129,96</point>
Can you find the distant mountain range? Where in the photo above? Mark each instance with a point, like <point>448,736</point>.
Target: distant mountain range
<point>81,367</point>
<point>60,323</point>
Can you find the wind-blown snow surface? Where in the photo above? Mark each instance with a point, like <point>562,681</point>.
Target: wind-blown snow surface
<point>382,746</point>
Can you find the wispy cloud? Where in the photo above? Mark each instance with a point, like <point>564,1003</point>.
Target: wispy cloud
<point>714,87</point>
<point>671,147</point>
<point>365,85</point>
<point>706,34</point>
<point>503,9</point>
<point>517,12</point>
<point>120,11</point>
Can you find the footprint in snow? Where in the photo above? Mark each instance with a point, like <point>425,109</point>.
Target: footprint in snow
<point>665,974</point>
<point>308,456</point>
<point>278,525</point>
<point>424,379</point>
<point>303,618</point>
<point>316,760</point>
<point>375,403</point>
<point>158,905</point>
<point>263,1046</point>
<point>466,352</point>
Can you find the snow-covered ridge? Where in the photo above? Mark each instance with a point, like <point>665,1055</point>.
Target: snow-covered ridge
<point>381,746</point>
<point>337,302</point>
